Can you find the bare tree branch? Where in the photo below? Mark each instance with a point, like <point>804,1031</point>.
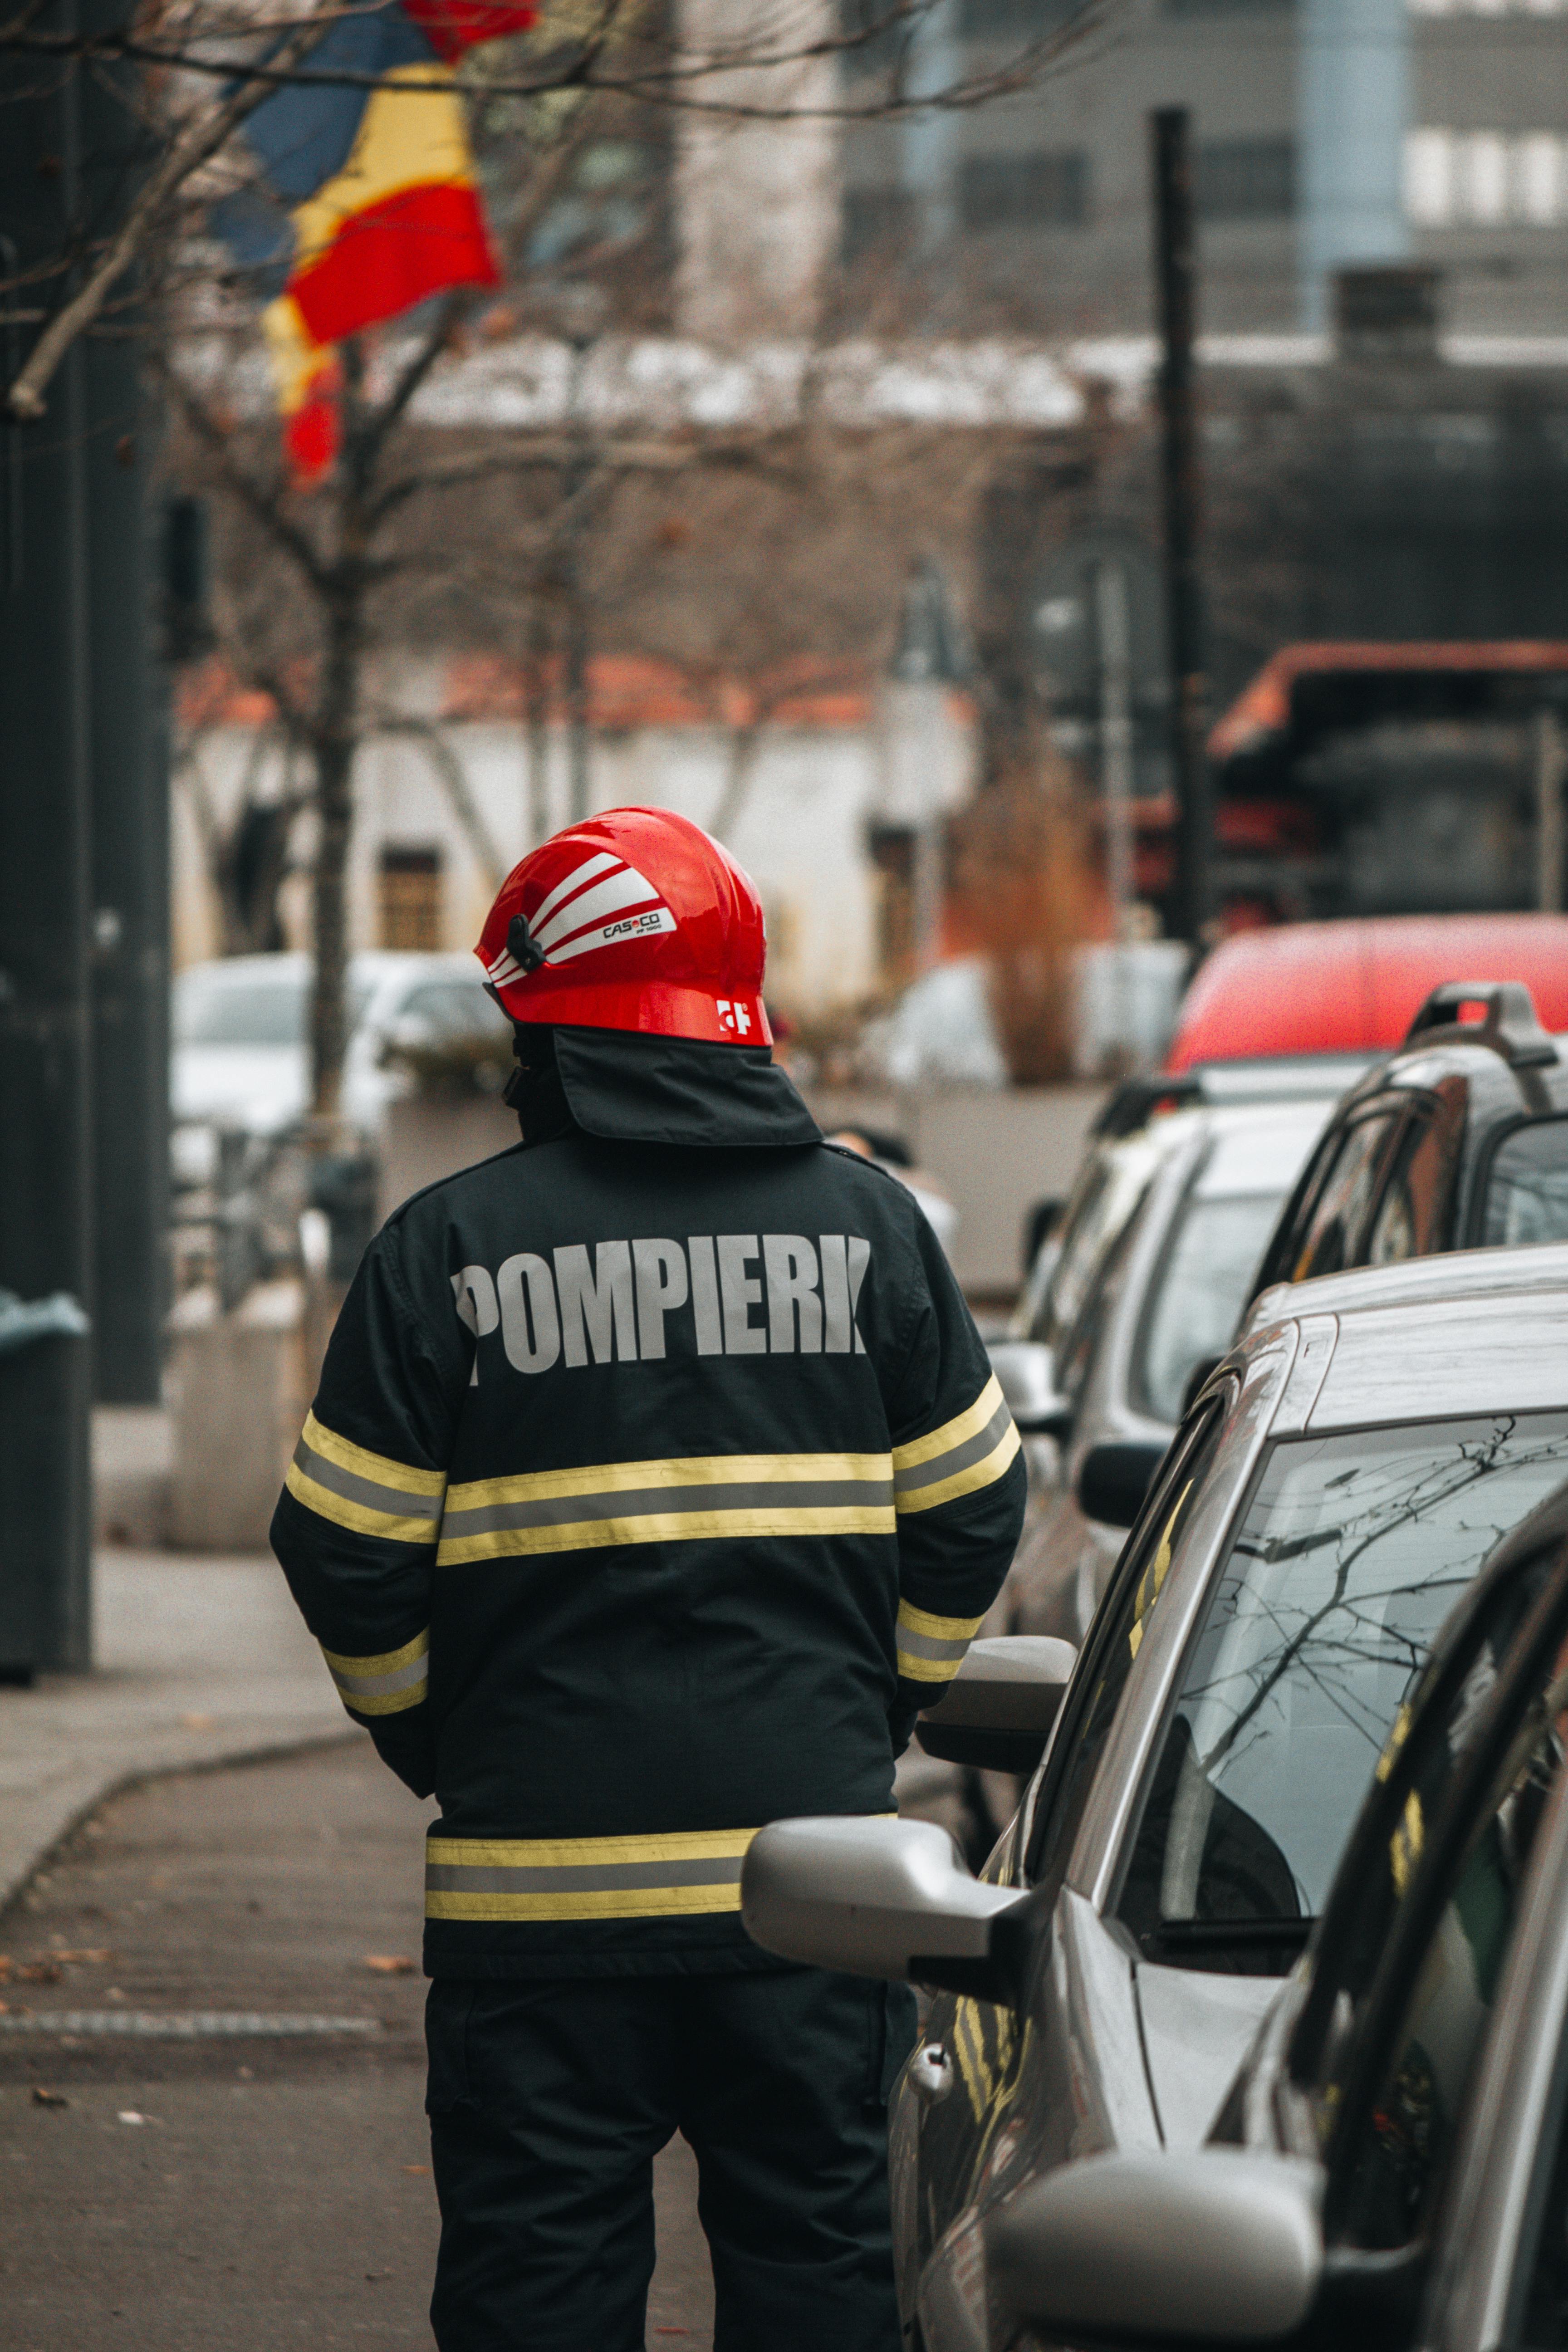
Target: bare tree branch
<point>195,144</point>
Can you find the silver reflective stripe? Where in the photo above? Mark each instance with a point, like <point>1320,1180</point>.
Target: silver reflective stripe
<point>417,1671</point>
<point>632,1503</point>
<point>368,1492</point>
<point>473,1878</point>
<point>958,1457</point>
<point>926,1645</point>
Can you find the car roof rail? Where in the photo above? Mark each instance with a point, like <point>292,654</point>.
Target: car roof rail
<point>1134,1103</point>
<point>1511,1026</point>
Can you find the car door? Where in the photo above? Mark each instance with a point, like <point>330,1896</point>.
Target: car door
<point>1414,1958</point>
<point>1011,2100</point>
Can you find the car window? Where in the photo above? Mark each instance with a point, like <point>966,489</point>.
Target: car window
<point>1196,1300</point>
<point>1095,1222</point>
<point>1345,1196</point>
<point>269,1009</point>
<point>453,1009</point>
<point>1114,1640</point>
<point>1350,1555</point>
<point>1412,1216</point>
<point>1527,1185</point>
<point>1394,2151</point>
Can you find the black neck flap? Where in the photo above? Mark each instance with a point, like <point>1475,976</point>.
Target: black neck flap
<point>636,1088</point>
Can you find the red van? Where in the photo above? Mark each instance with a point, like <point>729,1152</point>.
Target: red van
<point>1355,986</point>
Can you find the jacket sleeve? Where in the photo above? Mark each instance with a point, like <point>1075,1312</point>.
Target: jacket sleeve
<point>357,1524</point>
<point>958,1483</point>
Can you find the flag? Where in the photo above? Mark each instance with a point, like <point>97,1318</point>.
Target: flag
<point>365,201</point>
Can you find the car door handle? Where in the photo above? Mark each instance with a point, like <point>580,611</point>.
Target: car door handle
<point>930,2073</point>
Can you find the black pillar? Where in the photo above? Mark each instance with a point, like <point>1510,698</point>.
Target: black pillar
<point>45,1143</point>
<point>130,912</point>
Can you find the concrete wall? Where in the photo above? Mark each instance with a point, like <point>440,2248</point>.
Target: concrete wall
<point>996,1153</point>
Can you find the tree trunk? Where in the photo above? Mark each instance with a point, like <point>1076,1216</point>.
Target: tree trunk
<point>335,741</point>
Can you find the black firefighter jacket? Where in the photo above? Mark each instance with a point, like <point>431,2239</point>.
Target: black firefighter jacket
<point>650,1487</point>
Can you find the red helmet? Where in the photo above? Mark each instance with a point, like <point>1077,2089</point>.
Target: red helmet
<point>635,920</point>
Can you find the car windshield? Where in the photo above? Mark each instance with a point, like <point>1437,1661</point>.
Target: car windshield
<point>1204,1282</point>
<point>1527,1189</point>
<point>1211,1258</point>
<point>1096,1219</point>
<point>1348,1559</point>
<point>210,1008</point>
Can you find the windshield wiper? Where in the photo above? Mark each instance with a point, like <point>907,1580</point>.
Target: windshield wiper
<point>1285,1932</point>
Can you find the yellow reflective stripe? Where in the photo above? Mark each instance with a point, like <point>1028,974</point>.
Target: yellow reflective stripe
<point>652,1903</point>
<point>656,1876</point>
<point>668,1527</point>
<point>379,1468</point>
<point>651,1877</point>
<point>693,1470</point>
<point>691,1498</point>
<point>558,1853</point>
<point>356,1516</point>
<point>932,1648</point>
<point>984,1473</point>
<point>384,1661</point>
<point>387,1683</point>
<point>964,1425</point>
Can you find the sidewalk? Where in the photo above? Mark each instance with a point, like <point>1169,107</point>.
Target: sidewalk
<point>197,1661</point>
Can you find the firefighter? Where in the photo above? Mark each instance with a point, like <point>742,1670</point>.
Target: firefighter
<point>655,1479</point>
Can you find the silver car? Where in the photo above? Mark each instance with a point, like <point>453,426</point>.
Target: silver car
<point>1163,1307</point>
<point>1391,2167</point>
<point>1335,1487</point>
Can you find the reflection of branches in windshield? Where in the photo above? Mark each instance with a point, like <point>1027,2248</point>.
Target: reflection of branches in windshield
<point>1436,1484</point>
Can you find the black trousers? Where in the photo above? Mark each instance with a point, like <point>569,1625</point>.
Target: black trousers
<point>549,2100</point>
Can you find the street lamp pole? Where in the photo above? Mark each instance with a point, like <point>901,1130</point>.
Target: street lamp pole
<point>581,330</point>
<point>1176,276</point>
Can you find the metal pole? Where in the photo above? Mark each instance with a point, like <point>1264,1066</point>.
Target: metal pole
<point>576,649</point>
<point>536,722</point>
<point>1551,765</point>
<point>1116,765</point>
<point>1176,276</point>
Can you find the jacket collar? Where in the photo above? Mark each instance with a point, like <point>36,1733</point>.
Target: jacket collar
<point>636,1088</point>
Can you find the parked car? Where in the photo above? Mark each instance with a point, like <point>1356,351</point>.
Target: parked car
<point>241,1058</point>
<point>1335,1487</point>
<point>1161,1306</point>
<point>1391,2165</point>
<point>1459,1141</point>
<point>1355,986</point>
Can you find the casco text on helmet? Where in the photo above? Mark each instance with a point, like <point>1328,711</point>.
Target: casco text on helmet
<point>634,919</point>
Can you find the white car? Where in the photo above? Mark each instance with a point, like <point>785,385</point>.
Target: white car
<point>241,1058</point>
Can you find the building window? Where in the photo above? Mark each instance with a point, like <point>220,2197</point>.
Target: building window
<point>1245,180</point>
<point>1015,20</point>
<point>1486,179</point>
<point>1024,191</point>
<point>1486,7</point>
<point>409,882</point>
<point>876,220</point>
<point>892,854</point>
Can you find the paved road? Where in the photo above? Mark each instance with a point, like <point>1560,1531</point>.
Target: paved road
<point>238,2195</point>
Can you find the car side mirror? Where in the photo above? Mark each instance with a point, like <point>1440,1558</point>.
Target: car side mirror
<point>873,1897</point>
<point>1114,1480</point>
<point>997,1711</point>
<point>1025,1374</point>
<point>1218,2246</point>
